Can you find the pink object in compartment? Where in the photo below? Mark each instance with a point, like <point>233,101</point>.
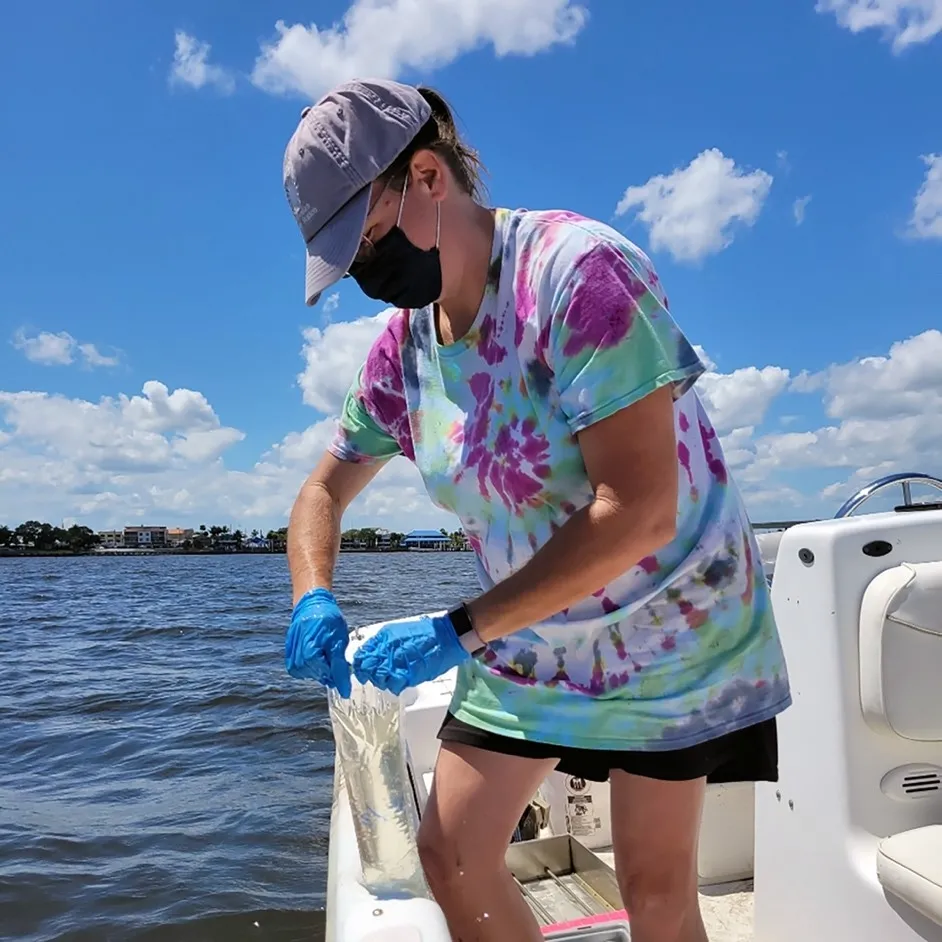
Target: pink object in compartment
<point>614,917</point>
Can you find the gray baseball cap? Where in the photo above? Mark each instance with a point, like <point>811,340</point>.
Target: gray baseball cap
<point>342,144</point>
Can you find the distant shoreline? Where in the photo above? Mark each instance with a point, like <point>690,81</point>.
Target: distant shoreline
<point>28,552</point>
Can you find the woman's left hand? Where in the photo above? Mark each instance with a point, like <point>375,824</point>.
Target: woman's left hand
<point>409,652</point>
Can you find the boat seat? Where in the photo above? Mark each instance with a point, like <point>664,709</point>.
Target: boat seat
<point>768,543</point>
<point>900,652</point>
<point>909,866</point>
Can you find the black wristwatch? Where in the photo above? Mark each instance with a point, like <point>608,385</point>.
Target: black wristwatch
<point>464,628</point>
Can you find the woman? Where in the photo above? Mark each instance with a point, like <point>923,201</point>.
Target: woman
<point>535,377</point>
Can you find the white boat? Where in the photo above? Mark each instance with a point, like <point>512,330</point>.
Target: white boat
<point>846,846</point>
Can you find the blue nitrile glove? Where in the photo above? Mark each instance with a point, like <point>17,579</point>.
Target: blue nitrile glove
<point>409,652</point>
<point>316,642</point>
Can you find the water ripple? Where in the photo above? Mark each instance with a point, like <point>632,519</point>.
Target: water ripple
<point>163,779</point>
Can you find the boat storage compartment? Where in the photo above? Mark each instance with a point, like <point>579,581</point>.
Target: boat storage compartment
<point>564,882</point>
<point>900,649</point>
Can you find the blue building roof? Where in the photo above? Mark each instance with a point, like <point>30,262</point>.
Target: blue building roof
<point>425,535</point>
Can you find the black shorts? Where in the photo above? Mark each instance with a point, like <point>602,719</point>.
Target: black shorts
<point>747,755</point>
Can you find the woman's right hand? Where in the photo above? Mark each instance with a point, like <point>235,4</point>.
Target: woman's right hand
<point>316,642</point>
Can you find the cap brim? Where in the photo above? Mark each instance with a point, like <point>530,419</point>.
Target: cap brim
<point>331,252</point>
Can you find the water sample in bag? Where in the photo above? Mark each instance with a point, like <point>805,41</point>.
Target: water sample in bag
<point>372,754</point>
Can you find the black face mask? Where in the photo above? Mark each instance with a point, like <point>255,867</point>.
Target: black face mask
<point>400,273</point>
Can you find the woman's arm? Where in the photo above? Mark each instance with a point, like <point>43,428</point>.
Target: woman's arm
<point>314,526</point>
<point>366,438</point>
<point>631,460</point>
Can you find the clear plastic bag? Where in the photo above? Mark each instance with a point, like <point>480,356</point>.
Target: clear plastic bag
<point>372,754</point>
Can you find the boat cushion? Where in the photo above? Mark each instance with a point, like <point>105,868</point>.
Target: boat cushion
<point>900,651</point>
<point>909,866</point>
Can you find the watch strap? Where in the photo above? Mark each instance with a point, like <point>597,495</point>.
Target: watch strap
<point>469,639</point>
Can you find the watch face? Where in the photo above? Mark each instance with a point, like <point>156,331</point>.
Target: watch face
<point>460,620</point>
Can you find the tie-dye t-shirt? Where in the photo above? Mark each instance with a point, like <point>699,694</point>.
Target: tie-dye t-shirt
<point>574,325</point>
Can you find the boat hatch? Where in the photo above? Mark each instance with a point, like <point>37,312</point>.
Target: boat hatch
<point>571,891</point>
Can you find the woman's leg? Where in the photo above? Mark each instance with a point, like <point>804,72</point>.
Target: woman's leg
<point>476,802</point>
<point>656,829</point>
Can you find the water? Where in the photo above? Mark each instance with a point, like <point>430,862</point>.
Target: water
<point>161,777</point>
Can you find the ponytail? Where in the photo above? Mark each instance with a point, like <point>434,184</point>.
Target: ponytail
<point>440,134</point>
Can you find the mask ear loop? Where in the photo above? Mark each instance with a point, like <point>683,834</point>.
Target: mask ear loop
<point>438,213</point>
<point>402,200</point>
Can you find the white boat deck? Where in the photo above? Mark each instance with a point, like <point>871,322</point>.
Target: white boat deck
<point>727,908</point>
<point>728,912</point>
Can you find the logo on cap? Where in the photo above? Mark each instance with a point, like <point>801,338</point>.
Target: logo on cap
<point>294,197</point>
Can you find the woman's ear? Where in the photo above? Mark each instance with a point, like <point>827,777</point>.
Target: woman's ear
<point>429,171</point>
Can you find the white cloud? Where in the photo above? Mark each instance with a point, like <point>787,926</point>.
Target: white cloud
<point>737,445</point>
<point>161,455</point>
<point>331,303</point>
<point>903,22</point>
<point>303,449</point>
<point>332,357</point>
<point>882,405</point>
<point>737,403</point>
<point>59,349</point>
<point>46,348</point>
<point>156,430</point>
<point>191,65</point>
<point>384,38</point>
<point>741,398</point>
<point>926,220</point>
<point>395,499</point>
<point>879,408</point>
<point>693,211</point>
<point>867,448</point>
<point>94,357</point>
<point>781,498</point>
<point>798,209</point>
<point>906,382</point>
<point>158,457</point>
<point>122,459</point>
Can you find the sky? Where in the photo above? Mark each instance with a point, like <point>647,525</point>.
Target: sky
<point>781,162</point>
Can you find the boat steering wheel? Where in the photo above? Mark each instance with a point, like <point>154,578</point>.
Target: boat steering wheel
<point>905,480</point>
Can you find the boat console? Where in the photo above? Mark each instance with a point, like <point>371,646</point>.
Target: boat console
<point>849,842</point>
